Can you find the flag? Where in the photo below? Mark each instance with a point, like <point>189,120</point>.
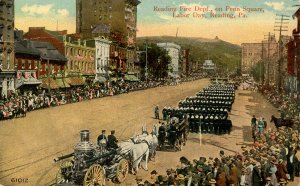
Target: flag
<point>290,56</point>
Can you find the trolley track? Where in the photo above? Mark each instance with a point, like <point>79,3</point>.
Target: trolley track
<point>36,157</point>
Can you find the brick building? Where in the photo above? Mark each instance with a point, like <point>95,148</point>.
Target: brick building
<point>115,20</point>
<point>27,62</point>
<point>185,62</point>
<point>293,59</point>
<point>265,52</point>
<point>80,53</point>
<point>7,72</point>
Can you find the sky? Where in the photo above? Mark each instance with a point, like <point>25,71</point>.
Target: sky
<point>244,27</point>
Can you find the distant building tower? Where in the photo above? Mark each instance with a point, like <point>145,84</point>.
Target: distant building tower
<point>7,72</point>
<point>115,20</point>
<point>208,65</point>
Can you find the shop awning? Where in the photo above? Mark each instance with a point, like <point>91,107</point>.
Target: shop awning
<point>45,83</point>
<point>100,79</point>
<point>62,83</point>
<point>131,77</point>
<point>75,81</point>
<point>170,74</point>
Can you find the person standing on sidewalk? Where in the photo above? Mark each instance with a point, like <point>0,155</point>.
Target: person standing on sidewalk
<point>253,121</point>
<point>156,112</point>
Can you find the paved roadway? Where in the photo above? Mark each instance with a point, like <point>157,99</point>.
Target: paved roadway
<point>28,145</point>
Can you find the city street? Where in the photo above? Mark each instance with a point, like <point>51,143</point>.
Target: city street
<point>29,145</point>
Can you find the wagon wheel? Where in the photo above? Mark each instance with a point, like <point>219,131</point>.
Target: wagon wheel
<point>122,170</point>
<point>68,164</point>
<point>94,176</point>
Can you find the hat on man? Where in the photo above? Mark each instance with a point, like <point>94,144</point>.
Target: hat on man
<point>183,160</point>
<point>282,181</point>
<point>274,161</point>
<point>138,178</point>
<point>181,177</point>
<point>153,172</point>
<point>212,181</point>
<point>165,178</point>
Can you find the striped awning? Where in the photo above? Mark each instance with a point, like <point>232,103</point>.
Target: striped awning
<point>75,81</point>
<point>62,83</point>
<point>46,82</point>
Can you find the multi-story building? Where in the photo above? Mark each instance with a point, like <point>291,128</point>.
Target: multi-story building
<point>93,18</point>
<point>102,58</point>
<point>265,52</point>
<point>7,68</point>
<point>208,65</point>
<point>27,62</point>
<point>115,20</point>
<point>293,58</point>
<point>173,51</point>
<point>185,63</point>
<point>80,53</point>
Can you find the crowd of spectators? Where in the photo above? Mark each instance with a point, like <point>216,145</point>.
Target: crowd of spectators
<point>17,105</point>
<point>287,103</point>
<point>272,160</point>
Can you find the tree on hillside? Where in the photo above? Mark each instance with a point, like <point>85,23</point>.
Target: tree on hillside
<point>158,61</point>
<point>224,54</point>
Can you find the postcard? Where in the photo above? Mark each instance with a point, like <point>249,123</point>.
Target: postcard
<point>149,92</point>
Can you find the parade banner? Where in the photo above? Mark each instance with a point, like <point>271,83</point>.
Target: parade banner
<point>149,92</point>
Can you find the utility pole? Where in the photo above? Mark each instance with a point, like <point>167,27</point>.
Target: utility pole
<point>146,66</point>
<point>268,58</point>
<point>261,79</point>
<point>280,27</point>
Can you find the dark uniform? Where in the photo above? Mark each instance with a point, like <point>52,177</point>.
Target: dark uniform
<point>172,135</point>
<point>161,135</point>
<point>156,112</point>
<point>112,141</point>
<point>102,138</point>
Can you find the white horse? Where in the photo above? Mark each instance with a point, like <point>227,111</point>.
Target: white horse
<point>135,152</point>
<point>150,139</point>
<point>139,152</point>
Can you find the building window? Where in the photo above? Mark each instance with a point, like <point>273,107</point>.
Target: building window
<point>8,60</point>
<point>35,64</point>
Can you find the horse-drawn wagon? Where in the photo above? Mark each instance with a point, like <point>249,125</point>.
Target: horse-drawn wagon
<point>173,135</point>
<point>90,165</point>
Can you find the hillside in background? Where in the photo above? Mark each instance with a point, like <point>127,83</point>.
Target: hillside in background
<point>224,54</point>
